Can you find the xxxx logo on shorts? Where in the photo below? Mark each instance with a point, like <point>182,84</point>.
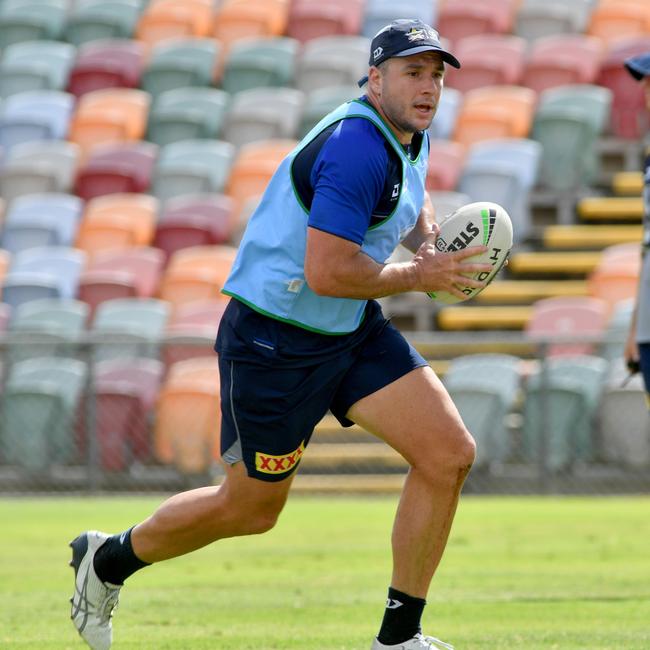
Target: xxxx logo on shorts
<point>278,464</point>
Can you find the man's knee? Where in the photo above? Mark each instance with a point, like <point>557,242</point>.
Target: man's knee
<point>449,458</point>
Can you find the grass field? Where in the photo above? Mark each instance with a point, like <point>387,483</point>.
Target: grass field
<point>518,573</point>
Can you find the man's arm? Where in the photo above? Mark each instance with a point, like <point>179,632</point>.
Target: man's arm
<point>337,267</point>
<point>425,225</point>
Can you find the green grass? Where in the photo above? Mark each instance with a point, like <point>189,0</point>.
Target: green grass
<point>521,573</point>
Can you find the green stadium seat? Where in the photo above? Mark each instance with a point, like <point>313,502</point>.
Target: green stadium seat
<point>31,20</point>
<point>97,20</point>
<point>485,388</point>
<point>40,403</point>
<point>187,113</point>
<point>319,102</point>
<point>256,62</point>
<point>563,399</point>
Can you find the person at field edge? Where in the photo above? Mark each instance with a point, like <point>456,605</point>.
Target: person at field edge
<point>637,347</point>
<point>303,334</point>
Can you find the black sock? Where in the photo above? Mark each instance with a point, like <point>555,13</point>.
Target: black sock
<point>401,618</point>
<point>115,560</point>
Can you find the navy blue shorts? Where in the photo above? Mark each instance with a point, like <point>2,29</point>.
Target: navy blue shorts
<point>644,362</point>
<point>279,380</point>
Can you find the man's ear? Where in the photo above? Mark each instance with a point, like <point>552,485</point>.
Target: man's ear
<point>375,80</point>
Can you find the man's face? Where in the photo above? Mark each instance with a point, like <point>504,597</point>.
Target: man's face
<point>408,91</point>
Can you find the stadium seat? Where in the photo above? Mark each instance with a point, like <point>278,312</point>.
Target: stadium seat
<point>613,284</point>
<point>35,65</point>
<point>256,62</point>
<point>332,61</point>
<point>616,21</point>
<point>5,317</point>
<point>458,19</point>
<point>187,113</point>
<point>253,167</point>
<point>34,115</point>
<point>617,330</point>
<point>39,166</point>
<point>263,114</point>
<point>195,220</point>
<point>487,60</point>
<point>495,112</point>
<point>28,20</point>
<point>108,116</point>
<point>629,117</point>
<point>192,329</point>
<point>378,13</point>
<point>623,420</point>
<point>568,140</point>
<point>444,121</point>
<point>188,420</point>
<point>181,63</point>
<point>445,203</point>
<point>320,102</point>
<point>166,20</point>
<point>117,221</point>
<point>562,59</point>
<point>125,393</point>
<point>235,21</point>
<point>569,317</point>
<point>67,314</point>
<point>110,63</point>
<point>40,403</point>
<point>539,18</point>
<point>504,172</point>
<point>446,159</point>
<point>5,260</point>
<point>132,272</point>
<point>192,166</point>
<point>61,211</point>
<point>196,273</point>
<point>309,19</point>
<point>484,388</point>
<point>96,20</point>
<point>560,407</point>
<point>129,327</point>
<point>124,167</point>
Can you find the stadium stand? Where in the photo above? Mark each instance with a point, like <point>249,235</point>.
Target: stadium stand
<point>27,20</point>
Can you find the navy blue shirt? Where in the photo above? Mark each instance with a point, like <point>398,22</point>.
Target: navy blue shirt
<point>349,178</point>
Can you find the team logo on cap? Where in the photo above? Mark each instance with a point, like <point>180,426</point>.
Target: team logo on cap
<point>376,53</point>
<point>415,34</point>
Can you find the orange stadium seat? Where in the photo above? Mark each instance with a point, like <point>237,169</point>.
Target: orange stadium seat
<point>310,19</point>
<point>196,273</point>
<point>163,20</point>
<point>5,258</point>
<point>615,20</point>
<point>110,115</point>
<point>562,59</point>
<point>244,19</point>
<point>187,422</point>
<point>253,168</point>
<point>495,112</point>
<point>117,221</point>
<point>488,60</point>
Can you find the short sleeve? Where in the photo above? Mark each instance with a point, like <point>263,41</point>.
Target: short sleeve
<point>348,178</point>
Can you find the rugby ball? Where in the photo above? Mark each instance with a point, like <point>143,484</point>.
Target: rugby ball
<point>475,224</point>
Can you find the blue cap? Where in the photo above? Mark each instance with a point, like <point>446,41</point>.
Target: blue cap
<point>404,37</point>
<point>638,66</point>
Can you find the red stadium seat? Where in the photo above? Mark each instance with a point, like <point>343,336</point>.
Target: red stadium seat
<point>445,164</point>
<point>458,19</point>
<point>310,19</point>
<point>116,168</point>
<point>115,63</point>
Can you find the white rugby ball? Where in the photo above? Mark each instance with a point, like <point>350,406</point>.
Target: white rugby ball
<point>475,224</point>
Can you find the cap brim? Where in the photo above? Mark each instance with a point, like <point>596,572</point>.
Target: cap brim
<point>447,57</point>
<point>634,71</point>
